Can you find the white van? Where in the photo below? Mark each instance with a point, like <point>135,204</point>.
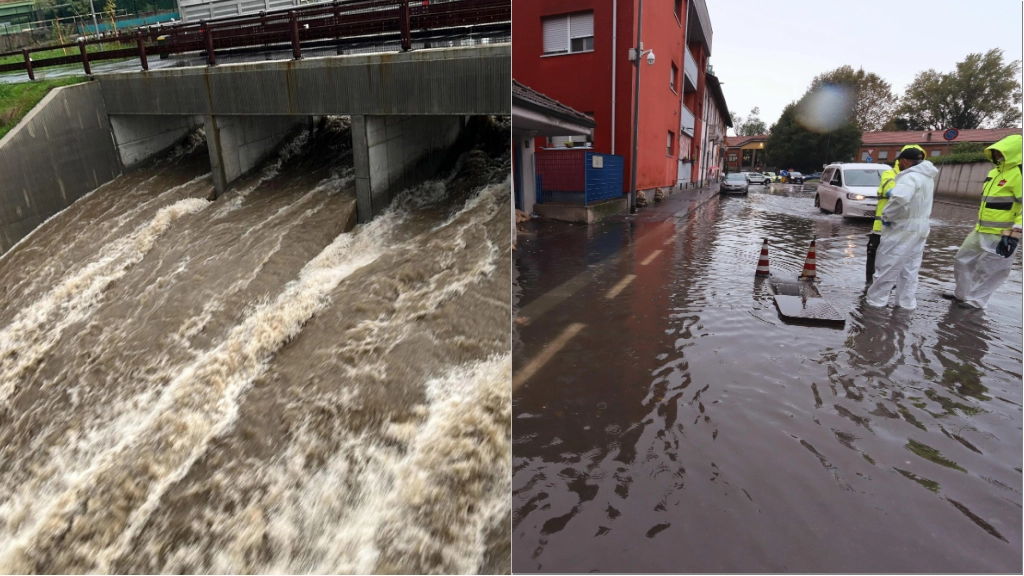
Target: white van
<point>850,189</point>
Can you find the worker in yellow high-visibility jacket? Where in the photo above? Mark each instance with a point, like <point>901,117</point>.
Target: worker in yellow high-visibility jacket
<point>887,184</point>
<point>985,260</point>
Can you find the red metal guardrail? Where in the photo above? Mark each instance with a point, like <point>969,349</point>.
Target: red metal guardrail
<point>318,25</point>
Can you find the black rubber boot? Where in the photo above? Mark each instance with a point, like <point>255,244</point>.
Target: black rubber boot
<point>873,241</point>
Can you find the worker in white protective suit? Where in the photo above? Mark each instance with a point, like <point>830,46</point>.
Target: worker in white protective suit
<point>985,259</point>
<point>904,231</point>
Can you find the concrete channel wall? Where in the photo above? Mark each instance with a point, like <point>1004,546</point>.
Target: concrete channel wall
<point>962,181</point>
<point>60,151</point>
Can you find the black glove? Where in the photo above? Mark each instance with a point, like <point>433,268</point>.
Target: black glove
<point>1007,245</point>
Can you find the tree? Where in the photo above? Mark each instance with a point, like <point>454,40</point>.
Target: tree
<point>873,102</point>
<point>791,145</point>
<point>983,92</point>
<point>752,125</point>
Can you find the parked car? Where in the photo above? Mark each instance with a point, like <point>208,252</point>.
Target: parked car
<point>758,178</point>
<point>774,177</point>
<point>735,182</point>
<point>813,176</point>
<point>850,189</point>
<point>795,178</point>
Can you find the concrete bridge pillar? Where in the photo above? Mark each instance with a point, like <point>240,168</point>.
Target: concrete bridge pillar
<point>238,144</point>
<point>393,152</point>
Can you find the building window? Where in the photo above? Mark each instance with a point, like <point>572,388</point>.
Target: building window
<point>678,10</point>
<point>673,74</point>
<point>570,142</point>
<point>883,154</point>
<point>671,143</point>
<point>936,152</point>
<point>732,157</point>
<point>569,33</point>
<point>864,156</point>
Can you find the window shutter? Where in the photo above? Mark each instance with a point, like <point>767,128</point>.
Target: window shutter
<point>556,35</point>
<point>581,25</point>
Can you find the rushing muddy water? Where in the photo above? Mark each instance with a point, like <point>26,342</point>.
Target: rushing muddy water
<point>249,385</point>
<point>683,427</point>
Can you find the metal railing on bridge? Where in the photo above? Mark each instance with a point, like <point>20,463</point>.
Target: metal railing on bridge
<point>577,176</point>
<point>318,26</point>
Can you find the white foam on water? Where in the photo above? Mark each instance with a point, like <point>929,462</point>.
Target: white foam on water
<point>288,151</point>
<point>197,406</point>
<point>39,326</point>
<point>128,212</point>
<point>420,492</point>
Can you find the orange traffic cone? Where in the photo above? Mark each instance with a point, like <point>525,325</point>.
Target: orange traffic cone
<point>762,264</point>
<point>810,265</point>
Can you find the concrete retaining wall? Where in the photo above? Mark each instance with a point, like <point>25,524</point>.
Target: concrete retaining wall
<point>139,138</point>
<point>962,181</point>
<point>59,152</point>
<point>393,152</point>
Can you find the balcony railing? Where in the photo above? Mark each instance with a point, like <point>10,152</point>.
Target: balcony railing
<point>702,32</point>
<point>689,71</point>
<point>686,122</point>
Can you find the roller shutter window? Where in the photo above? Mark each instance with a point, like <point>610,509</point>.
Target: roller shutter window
<point>556,35</point>
<point>581,32</point>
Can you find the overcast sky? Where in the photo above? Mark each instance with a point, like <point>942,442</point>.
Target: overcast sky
<point>767,53</point>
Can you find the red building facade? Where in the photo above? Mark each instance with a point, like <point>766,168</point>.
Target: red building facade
<point>594,75</point>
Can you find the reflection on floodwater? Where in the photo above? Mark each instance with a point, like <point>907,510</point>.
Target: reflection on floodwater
<point>684,427</point>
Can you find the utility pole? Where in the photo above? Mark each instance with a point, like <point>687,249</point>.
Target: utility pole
<point>95,25</point>
<point>637,54</point>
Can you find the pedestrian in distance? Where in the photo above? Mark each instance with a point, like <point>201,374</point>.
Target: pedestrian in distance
<point>984,260</point>
<point>888,182</point>
<point>905,229</point>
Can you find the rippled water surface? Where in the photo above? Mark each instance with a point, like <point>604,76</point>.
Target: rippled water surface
<point>252,385</point>
<point>684,427</point>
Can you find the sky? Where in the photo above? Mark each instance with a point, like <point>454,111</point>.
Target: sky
<point>766,52</point>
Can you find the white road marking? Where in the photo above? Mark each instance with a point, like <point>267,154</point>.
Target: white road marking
<point>554,347</point>
<point>620,286</point>
<point>650,258</point>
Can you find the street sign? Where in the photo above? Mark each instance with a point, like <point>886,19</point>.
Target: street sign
<point>870,159</point>
<point>951,134</point>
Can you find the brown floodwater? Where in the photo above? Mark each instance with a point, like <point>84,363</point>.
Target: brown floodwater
<point>253,385</point>
<point>683,427</point>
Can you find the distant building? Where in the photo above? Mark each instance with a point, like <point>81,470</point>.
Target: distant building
<point>884,146</point>
<point>13,13</point>
<point>576,52</point>
<point>717,120</point>
<point>743,153</point>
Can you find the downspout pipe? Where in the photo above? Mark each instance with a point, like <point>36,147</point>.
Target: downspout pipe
<point>615,48</point>
<point>636,107</point>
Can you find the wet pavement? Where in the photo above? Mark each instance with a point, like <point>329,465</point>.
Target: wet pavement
<point>666,419</point>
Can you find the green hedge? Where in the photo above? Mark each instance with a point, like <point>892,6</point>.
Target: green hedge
<point>960,158</point>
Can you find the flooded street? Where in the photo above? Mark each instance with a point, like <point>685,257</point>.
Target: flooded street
<point>252,384</point>
<point>666,419</point>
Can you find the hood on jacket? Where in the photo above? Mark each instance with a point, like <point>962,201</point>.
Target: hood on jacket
<point>925,167</point>
<point>1010,148</point>
<point>896,164</point>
